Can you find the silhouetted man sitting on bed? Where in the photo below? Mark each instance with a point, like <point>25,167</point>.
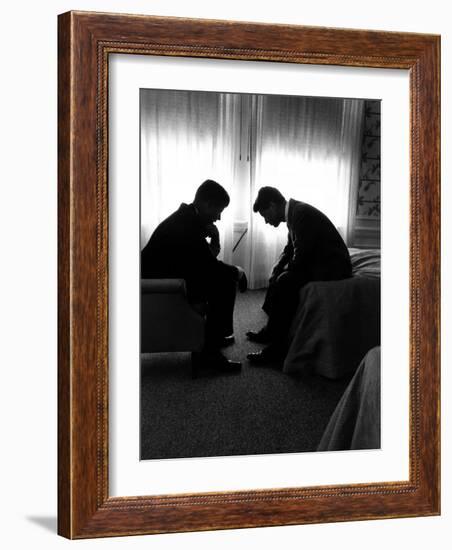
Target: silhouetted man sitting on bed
<point>315,251</point>
<point>186,245</point>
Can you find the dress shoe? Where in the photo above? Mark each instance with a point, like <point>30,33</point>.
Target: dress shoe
<point>221,342</point>
<point>213,362</point>
<point>268,355</point>
<point>226,341</point>
<point>227,366</point>
<point>260,337</point>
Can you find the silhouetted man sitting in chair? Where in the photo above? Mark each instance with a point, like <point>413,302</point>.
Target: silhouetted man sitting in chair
<point>315,251</point>
<point>186,245</point>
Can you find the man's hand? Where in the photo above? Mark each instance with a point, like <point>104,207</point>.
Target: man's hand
<point>212,231</point>
<point>278,268</point>
<point>214,235</point>
<point>242,281</point>
<point>275,274</point>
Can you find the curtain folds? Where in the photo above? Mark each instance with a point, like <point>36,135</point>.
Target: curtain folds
<point>309,148</point>
<point>186,138</point>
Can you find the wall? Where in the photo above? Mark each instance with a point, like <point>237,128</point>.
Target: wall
<point>28,274</point>
<point>367,227</point>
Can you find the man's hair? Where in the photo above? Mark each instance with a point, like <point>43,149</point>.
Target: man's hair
<point>212,192</point>
<point>267,195</point>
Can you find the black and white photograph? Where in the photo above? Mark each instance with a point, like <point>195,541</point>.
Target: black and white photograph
<point>260,274</point>
<point>225,227</point>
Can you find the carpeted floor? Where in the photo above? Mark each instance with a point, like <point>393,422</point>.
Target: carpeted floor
<point>257,411</point>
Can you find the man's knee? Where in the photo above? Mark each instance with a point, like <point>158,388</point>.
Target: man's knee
<point>222,284</point>
<point>286,288</point>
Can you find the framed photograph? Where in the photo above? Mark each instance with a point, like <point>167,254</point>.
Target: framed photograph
<point>248,275</point>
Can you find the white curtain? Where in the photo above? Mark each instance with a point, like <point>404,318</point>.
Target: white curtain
<point>186,138</point>
<point>309,148</point>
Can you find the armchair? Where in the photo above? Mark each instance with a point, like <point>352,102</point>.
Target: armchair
<point>168,322</point>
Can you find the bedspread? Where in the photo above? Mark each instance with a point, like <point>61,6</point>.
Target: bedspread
<point>336,324</point>
<point>355,423</point>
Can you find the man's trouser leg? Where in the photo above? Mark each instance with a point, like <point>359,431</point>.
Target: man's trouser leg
<point>282,308</point>
<point>221,300</point>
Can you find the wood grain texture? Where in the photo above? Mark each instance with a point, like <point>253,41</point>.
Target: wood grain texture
<point>64,295</point>
<point>85,42</point>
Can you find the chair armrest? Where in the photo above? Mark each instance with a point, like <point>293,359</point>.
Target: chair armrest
<point>168,322</point>
<point>163,286</point>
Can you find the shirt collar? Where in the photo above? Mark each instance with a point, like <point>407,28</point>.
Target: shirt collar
<point>286,211</point>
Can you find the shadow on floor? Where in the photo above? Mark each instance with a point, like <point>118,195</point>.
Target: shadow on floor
<point>49,523</point>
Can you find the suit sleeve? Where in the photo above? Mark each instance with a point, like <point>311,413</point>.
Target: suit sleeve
<point>204,263</point>
<point>285,256</point>
<point>304,233</point>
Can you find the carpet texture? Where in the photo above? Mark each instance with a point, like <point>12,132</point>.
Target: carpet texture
<point>259,410</point>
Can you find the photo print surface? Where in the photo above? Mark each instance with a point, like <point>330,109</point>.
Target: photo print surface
<point>260,274</point>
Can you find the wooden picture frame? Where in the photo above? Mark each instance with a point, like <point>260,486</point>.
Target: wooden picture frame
<point>85,42</point>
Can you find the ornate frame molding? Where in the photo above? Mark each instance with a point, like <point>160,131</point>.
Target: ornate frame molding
<point>85,42</point>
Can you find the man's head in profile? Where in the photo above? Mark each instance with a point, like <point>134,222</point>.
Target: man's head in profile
<point>271,205</point>
<point>210,201</point>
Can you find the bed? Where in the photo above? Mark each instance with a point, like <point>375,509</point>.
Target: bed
<point>355,422</point>
<point>337,322</point>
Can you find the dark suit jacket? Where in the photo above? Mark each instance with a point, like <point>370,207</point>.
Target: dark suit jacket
<point>178,249</point>
<point>315,251</point>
